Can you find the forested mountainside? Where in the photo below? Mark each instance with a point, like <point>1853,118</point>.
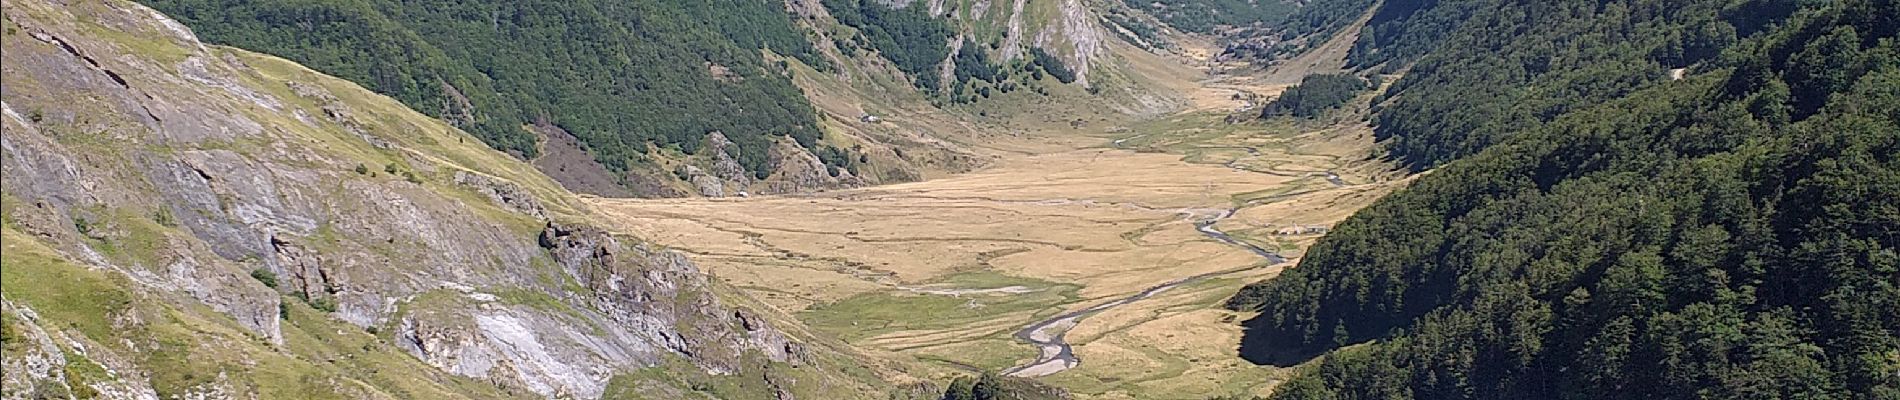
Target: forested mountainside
<point>1597,229</point>
<point>191,221</point>
<point>620,75</point>
<point>915,41</point>
<point>624,96</point>
<point>1528,65</point>
<point>1205,16</point>
<point>1395,33</point>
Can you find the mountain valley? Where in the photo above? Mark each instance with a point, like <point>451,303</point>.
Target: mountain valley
<point>949,199</point>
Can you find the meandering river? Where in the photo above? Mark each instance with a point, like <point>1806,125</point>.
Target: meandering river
<point>1049,335</point>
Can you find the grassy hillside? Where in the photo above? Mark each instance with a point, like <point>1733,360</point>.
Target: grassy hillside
<point>189,221</point>
<point>1597,229</point>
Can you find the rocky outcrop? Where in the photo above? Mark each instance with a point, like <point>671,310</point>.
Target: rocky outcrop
<point>456,108</point>
<point>796,170</point>
<point>1013,36</point>
<point>44,362</point>
<point>639,286</point>
<point>808,9</point>
<point>946,69</point>
<point>35,365</point>
<point>1076,37</point>
<point>556,356</point>
<point>722,175</point>
<point>505,194</point>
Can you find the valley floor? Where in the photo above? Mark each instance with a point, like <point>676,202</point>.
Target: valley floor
<point>946,271</point>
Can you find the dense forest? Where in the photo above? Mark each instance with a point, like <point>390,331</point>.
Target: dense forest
<point>1322,18</point>
<point>1400,31</point>
<point>618,74</point>
<point>990,386</point>
<point>912,39</point>
<point>1526,65</point>
<point>1203,16</point>
<point>918,43</point>
<point>1311,24</point>
<point>1315,94</point>
<point>1598,229</point>
<point>1396,33</point>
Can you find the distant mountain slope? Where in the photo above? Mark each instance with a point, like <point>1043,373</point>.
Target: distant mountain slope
<point>1484,83</point>
<point>624,97</point>
<point>190,221</point>
<point>1205,16</point>
<point>1595,229</point>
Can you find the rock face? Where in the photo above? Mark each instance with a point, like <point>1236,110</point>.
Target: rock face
<point>1076,37</point>
<point>275,233</point>
<point>506,194</point>
<point>722,176</point>
<point>639,306</point>
<point>798,171</point>
<point>715,173</point>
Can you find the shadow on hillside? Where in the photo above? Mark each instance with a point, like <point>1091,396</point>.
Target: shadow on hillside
<point>1261,347</point>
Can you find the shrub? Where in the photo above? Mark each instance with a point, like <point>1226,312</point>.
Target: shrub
<point>324,304</point>
<point>1052,64</point>
<point>269,279</point>
<point>84,226</point>
<point>164,218</point>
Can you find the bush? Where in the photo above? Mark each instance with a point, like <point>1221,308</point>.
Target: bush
<point>324,304</point>
<point>164,218</point>
<point>8,335</point>
<point>1051,64</point>
<point>75,379</point>
<point>269,279</point>
<point>82,225</point>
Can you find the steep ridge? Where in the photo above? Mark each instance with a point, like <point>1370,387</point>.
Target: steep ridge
<point>193,221</point>
<point>1681,201</point>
